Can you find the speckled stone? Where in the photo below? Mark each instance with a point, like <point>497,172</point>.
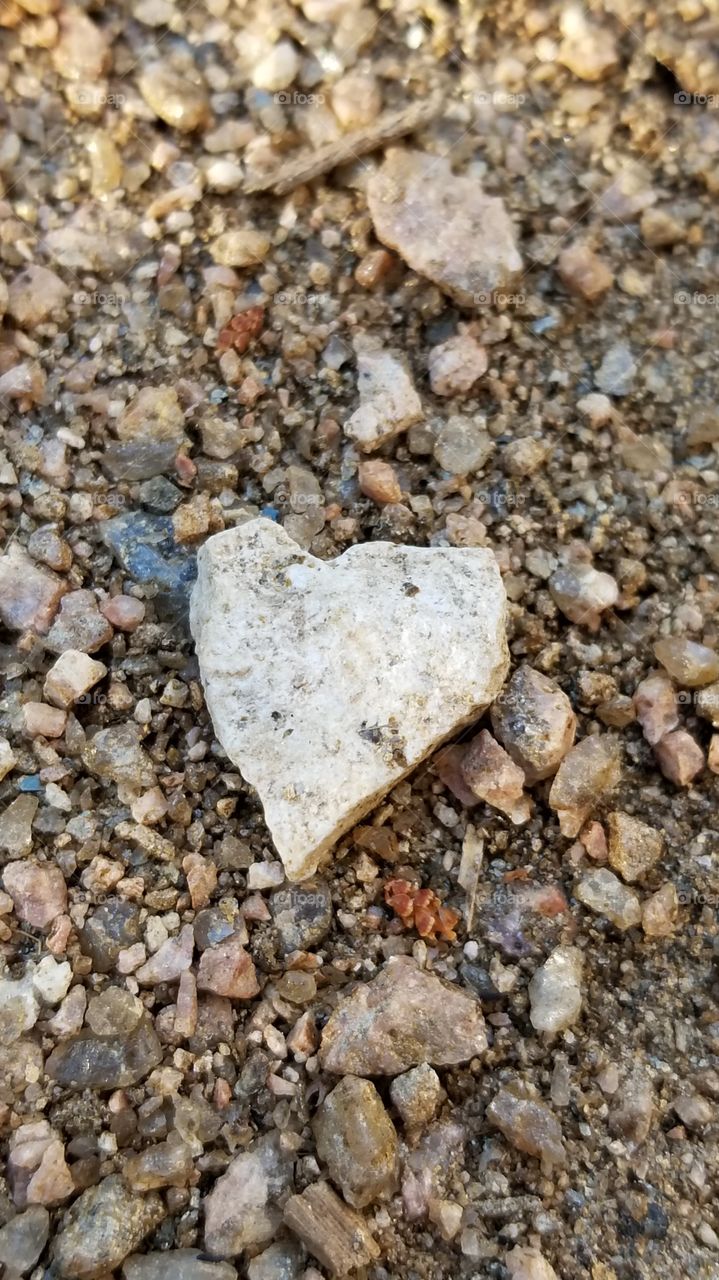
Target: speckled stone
<point>241,1210</point>
<point>403,1017</point>
<point>102,1227</point>
<point>529,1125</point>
<point>327,682</point>
<point>89,1061</point>
<point>357,1141</point>
<point>534,721</point>
<point>443,225</point>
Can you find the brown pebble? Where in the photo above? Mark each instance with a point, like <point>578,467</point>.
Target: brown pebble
<point>583,272</point>
<point>378,481</point>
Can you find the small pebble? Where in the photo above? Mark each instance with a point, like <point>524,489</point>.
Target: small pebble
<point>71,676</point>
<point>602,892</point>
<point>589,772</point>
<point>584,273</point>
<point>660,912</point>
<point>680,757</point>
<point>583,593</point>
<point>690,664</point>
<point>634,847</point>
<point>555,991</point>
<point>657,708</point>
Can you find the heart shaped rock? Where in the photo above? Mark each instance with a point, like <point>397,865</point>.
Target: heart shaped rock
<point>328,681</point>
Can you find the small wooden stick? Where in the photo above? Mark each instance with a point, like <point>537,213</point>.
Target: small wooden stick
<point>312,164</point>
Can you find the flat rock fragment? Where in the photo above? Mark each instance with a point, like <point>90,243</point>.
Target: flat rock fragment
<point>241,1209</point>
<point>589,771</point>
<point>327,682</point>
<point>443,225</point>
<point>529,1125</point>
<point>403,1017</point>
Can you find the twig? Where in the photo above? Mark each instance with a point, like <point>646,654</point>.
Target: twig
<point>312,164</point>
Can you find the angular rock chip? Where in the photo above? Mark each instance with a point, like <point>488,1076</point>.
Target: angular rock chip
<point>241,1209</point>
<point>337,1236</point>
<point>492,775</point>
<point>228,970</point>
<point>328,682</point>
<point>357,1141</point>
<point>103,1225</point>
<point>388,401</point>
<point>529,1125</point>
<point>29,595</point>
<point>176,1264</point>
<point>443,225</point>
<point>403,1017</point>
<point>657,708</point>
<point>634,847</point>
<point>687,662</point>
<point>555,991</point>
<point>534,721</point>
<point>527,1263</point>
<point>604,893</point>
<point>417,1095</point>
<point>23,1239</point>
<point>590,770</point>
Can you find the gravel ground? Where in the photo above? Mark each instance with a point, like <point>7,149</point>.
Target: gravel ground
<point>179,354</point>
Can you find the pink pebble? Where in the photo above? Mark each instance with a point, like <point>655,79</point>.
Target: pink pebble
<point>123,612</point>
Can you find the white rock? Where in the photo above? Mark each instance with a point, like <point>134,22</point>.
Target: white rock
<point>7,758</point>
<point>555,991</point>
<point>51,979</point>
<point>388,401</point>
<point>327,682</point>
<point>278,68</point>
<point>19,1008</point>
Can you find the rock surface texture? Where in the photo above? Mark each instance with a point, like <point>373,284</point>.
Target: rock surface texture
<point>328,682</point>
<point>443,225</point>
<point>402,1018</point>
